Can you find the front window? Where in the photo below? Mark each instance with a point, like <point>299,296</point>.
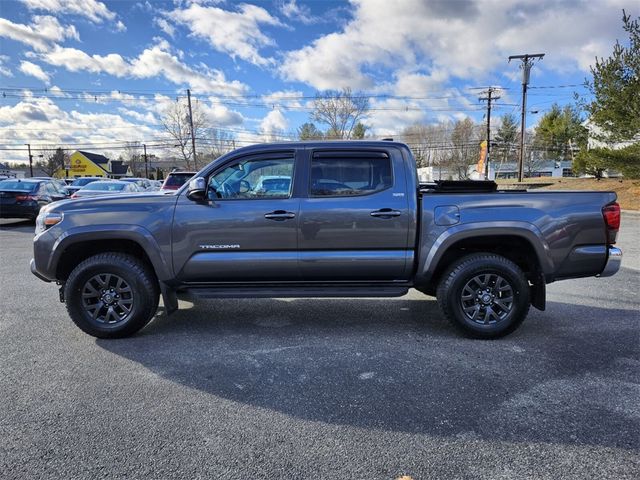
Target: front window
<point>253,179</point>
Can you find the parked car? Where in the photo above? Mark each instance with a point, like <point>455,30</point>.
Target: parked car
<point>78,183</point>
<point>175,180</point>
<point>56,181</point>
<point>355,222</point>
<point>23,198</point>
<point>144,184</point>
<point>111,187</point>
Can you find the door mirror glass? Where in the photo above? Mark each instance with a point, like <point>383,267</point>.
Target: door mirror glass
<point>197,189</point>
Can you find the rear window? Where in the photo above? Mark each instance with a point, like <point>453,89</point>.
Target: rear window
<point>338,176</point>
<point>177,179</point>
<point>21,186</point>
<point>105,186</point>
<point>81,182</point>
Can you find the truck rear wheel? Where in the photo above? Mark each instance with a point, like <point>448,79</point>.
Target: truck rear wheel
<point>484,295</point>
<point>111,295</point>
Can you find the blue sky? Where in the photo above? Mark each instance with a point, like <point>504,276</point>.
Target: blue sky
<point>110,68</point>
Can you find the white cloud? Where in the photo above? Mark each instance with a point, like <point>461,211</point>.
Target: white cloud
<point>41,34</point>
<point>466,39</point>
<point>219,115</point>
<point>165,26</point>
<point>40,121</point>
<point>152,62</point>
<point>120,27</point>
<point>34,70</point>
<point>284,98</point>
<point>4,70</point>
<point>299,13</point>
<point>147,117</point>
<point>237,34</point>
<point>273,123</point>
<point>95,11</point>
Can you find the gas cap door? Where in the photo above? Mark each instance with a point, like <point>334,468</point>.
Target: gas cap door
<point>445,215</point>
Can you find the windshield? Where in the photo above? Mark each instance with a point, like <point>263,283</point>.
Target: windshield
<point>16,185</point>
<point>105,186</point>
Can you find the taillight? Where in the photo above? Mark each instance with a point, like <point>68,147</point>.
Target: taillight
<point>611,215</point>
<point>26,198</point>
<point>74,196</point>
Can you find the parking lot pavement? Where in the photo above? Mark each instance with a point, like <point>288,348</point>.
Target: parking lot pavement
<point>338,388</point>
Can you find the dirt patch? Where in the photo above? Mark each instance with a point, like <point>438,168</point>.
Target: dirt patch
<point>628,190</point>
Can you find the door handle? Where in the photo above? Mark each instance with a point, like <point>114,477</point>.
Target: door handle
<point>279,215</point>
<point>386,213</point>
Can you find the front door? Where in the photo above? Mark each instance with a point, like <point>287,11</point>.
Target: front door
<point>246,230</point>
<point>354,222</point>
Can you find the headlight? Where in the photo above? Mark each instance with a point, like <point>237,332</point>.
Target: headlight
<point>46,220</point>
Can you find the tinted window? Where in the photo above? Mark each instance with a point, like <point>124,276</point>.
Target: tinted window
<point>105,186</point>
<point>177,179</point>
<point>337,177</point>
<point>81,182</point>
<point>254,178</point>
<point>15,185</point>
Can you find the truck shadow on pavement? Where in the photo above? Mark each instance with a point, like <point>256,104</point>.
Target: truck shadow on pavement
<point>21,225</point>
<point>564,377</point>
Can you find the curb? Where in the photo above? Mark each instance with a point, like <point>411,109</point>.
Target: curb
<point>633,213</point>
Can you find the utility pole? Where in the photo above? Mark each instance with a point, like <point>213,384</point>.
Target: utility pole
<point>193,134</point>
<point>489,98</point>
<point>146,161</point>
<point>527,63</point>
<point>30,160</point>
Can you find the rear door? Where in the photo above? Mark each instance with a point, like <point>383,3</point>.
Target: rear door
<point>247,229</point>
<point>354,221</point>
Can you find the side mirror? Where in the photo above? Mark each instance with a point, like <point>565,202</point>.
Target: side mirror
<point>197,189</point>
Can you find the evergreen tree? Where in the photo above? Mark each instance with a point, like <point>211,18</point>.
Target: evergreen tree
<point>308,131</point>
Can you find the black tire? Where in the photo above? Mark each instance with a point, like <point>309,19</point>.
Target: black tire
<point>487,311</point>
<point>111,295</point>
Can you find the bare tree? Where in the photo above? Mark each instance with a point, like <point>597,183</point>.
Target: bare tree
<point>215,144</point>
<point>430,143</point>
<point>54,159</point>
<point>465,140</point>
<point>133,156</point>
<point>175,122</point>
<point>340,111</point>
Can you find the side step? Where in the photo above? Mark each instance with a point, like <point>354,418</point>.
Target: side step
<point>296,292</point>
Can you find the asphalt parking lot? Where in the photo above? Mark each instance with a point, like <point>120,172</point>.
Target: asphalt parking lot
<point>362,389</point>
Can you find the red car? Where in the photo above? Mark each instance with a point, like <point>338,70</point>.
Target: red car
<point>175,180</point>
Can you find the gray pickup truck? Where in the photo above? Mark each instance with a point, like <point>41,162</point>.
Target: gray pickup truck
<point>323,219</point>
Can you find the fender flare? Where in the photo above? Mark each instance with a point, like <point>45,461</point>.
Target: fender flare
<point>525,230</point>
<point>134,233</point>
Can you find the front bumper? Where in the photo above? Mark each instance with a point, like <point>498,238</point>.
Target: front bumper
<point>32,265</point>
<point>614,259</point>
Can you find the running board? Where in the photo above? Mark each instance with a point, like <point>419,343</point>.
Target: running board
<point>295,292</point>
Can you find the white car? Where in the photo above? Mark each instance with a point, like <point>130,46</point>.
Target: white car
<point>111,187</point>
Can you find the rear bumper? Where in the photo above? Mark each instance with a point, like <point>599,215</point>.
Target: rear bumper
<point>19,211</point>
<point>614,259</point>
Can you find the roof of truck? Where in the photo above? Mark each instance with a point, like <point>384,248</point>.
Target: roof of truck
<point>323,143</point>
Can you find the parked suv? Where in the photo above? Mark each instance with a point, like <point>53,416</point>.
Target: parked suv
<point>175,180</point>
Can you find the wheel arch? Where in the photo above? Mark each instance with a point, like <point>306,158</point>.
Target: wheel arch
<point>77,245</point>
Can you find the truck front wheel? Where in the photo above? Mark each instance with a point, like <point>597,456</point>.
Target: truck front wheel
<point>484,295</point>
<point>111,295</point>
